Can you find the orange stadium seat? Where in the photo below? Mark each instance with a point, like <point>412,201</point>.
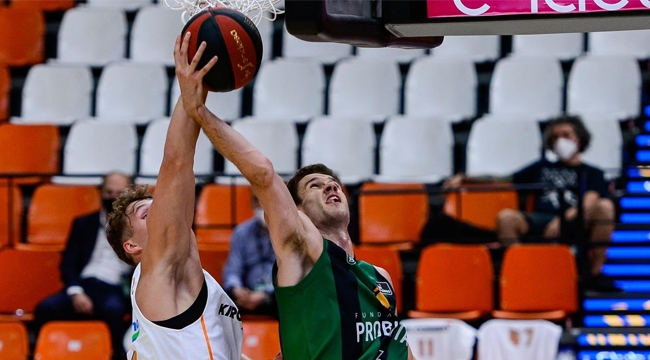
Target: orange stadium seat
<point>454,281</point>
<point>11,214</point>
<point>73,340</point>
<point>480,208</point>
<point>213,261</point>
<point>38,155</point>
<point>386,257</point>
<point>22,36</point>
<point>27,277</point>
<point>14,341</point>
<point>5,89</point>
<point>538,282</point>
<point>261,339</point>
<point>45,5</point>
<point>52,210</point>
<point>219,209</point>
<point>392,217</point>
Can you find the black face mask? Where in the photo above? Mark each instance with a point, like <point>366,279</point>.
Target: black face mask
<point>107,205</point>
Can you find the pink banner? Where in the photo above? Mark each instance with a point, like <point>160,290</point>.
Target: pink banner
<point>452,8</point>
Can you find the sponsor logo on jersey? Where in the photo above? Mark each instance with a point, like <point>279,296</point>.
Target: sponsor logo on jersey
<point>351,259</point>
<point>384,288</point>
<point>229,311</point>
<point>136,330</point>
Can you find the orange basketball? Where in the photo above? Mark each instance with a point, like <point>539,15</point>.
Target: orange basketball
<point>232,37</point>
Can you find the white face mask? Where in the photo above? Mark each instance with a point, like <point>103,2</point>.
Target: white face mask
<point>565,148</point>
<point>259,215</point>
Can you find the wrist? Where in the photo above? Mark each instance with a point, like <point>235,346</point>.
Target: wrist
<point>74,290</point>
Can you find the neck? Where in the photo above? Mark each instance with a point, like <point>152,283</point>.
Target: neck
<point>340,238</point>
<point>574,161</point>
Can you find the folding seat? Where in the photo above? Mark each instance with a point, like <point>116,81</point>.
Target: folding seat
<point>22,36</point>
<point>344,145</point>
<point>441,88</point>
<point>219,208</point>
<point>388,258</point>
<point>52,211</point>
<point>465,273</point>
<point>14,340</point>
<point>475,48</point>
<point>564,47</point>
<point>5,93</point>
<point>481,207</point>
<point>532,86</point>
<point>261,339</point>
<point>606,146</point>
<point>402,56</point>
<point>45,5</point>
<point>27,277</point>
<point>606,85</point>
<point>277,140</point>
<point>130,5</point>
<point>367,88</point>
<point>490,151</point>
<point>538,282</point>
<point>93,36</point>
<point>97,148</point>
<point>11,214</point>
<point>30,150</point>
<point>518,339</point>
<point>154,32</point>
<point>416,150</point>
<point>634,43</point>
<point>213,259</point>
<point>323,52</point>
<point>133,92</point>
<point>292,89</point>
<point>227,106</point>
<point>56,94</point>
<point>153,147</point>
<point>392,214</point>
<point>74,340</point>
<point>432,339</point>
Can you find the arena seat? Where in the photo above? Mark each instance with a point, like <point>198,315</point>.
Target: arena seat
<point>5,93</point>
<point>365,88</point>
<point>538,282</point>
<point>563,47</point>
<point>481,207</point>
<point>228,105</point>
<point>261,339</point>
<point>213,259</point>
<point>92,36</point>
<point>22,36</point>
<point>464,272</point>
<point>402,56</point>
<point>73,340</point>
<point>153,34</point>
<point>45,5</point>
<point>345,145</point>
<point>11,214</point>
<point>415,150</point>
<point>56,94</point>
<point>130,5</point>
<point>441,88</point>
<point>635,43</point>
<point>606,146</point>
<point>478,49</point>
<point>14,340</point>
<point>388,258</point>
<point>290,89</point>
<point>518,339</point>
<point>38,156</point>
<point>219,208</point>
<point>29,276</point>
<point>394,214</point>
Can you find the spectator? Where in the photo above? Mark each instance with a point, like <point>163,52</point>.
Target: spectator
<point>91,272</point>
<point>247,273</point>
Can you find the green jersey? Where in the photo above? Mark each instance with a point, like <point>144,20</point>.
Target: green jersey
<point>342,309</point>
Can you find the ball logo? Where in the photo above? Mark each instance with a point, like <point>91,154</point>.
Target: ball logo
<point>245,65</point>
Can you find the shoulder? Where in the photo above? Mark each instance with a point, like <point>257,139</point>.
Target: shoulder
<point>384,273</point>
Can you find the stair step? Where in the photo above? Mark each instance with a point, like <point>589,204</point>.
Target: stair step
<point>638,187</point>
<point>635,218</point>
<point>635,236</point>
<point>626,270</point>
<point>629,320</point>
<point>643,155</point>
<point>633,286</point>
<point>613,354</point>
<point>633,203</point>
<point>617,304</point>
<point>613,339</point>
<point>627,253</point>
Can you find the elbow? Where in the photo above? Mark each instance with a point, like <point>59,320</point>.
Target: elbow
<point>263,175</point>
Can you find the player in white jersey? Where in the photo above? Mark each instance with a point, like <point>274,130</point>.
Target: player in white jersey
<point>179,310</point>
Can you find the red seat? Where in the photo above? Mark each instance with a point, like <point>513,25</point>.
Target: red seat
<point>213,260</point>
<point>5,89</point>
<point>22,36</point>
<point>11,214</point>
<point>386,257</point>
<point>261,339</point>
<point>480,208</point>
<point>218,210</point>
<point>45,5</point>
<point>14,341</point>
<point>73,340</point>
<point>29,149</point>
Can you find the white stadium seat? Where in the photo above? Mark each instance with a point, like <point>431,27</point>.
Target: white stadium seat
<point>635,43</point>
<point>563,47</point>
<point>227,106</point>
<point>153,35</point>
<point>476,48</point>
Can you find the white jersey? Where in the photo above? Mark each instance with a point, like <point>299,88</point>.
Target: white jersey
<point>440,339</point>
<point>217,334</point>
<point>518,339</point>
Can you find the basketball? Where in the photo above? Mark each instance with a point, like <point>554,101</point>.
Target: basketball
<point>232,37</point>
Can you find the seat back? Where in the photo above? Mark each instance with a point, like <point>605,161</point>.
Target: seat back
<point>518,339</point>
<point>567,46</point>
<point>606,146</point>
<point>261,339</point>
<point>480,208</point>
<point>227,105</point>
<point>29,149</point>
<point>392,216</point>
<point>402,56</point>
<point>464,271</point>
<point>14,341</point>
<point>130,5</point>
<point>386,257</point>
<point>23,36</point>
<point>73,340</point>
<point>539,278</point>
<point>5,93</point>
<point>11,214</point>
<point>49,5</point>
<point>475,48</point>
<point>27,277</point>
<point>53,209</point>
<point>213,260</point>
<point>634,43</point>
<point>323,52</point>
<point>153,34</point>
<point>438,339</point>
<point>218,210</point>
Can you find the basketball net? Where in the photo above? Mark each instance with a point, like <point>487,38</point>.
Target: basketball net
<point>256,10</point>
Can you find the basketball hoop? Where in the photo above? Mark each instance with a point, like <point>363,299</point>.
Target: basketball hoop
<point>256,10</point>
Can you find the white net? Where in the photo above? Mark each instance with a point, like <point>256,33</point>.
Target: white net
<point>256,10</point>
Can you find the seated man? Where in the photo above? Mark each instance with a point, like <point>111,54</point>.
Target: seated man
<point>247,274</point>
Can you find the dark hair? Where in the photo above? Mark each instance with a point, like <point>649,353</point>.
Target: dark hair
<point>128,178</point>
<point>578,126</point>
<point>304,171</point>
<point>119,227</point>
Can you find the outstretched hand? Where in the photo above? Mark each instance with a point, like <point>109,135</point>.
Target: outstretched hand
<point>193,91</point>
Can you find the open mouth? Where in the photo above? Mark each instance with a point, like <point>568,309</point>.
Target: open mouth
<point>333,199</point>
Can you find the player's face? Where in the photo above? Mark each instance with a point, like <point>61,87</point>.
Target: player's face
<point>323,200</point>
<point>138,212</point>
